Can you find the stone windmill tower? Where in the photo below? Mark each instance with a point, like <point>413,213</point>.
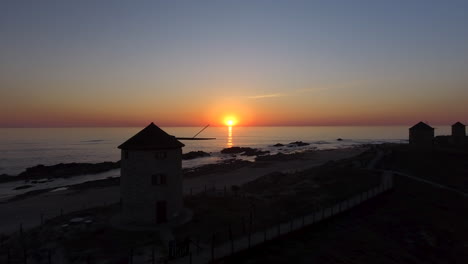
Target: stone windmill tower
<point>151,177</point>
<point>458,133</point>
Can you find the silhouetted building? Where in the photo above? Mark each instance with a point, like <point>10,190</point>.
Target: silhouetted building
<point>421,135</point>
<point>458,133</point>
<point>151,177</point>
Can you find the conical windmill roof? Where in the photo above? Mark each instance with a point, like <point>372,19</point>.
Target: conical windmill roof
<point>458,124</point>
<point>421,126</point>
<point>151,137</point>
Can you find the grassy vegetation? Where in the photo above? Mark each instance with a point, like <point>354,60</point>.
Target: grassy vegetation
<point>272,199</point>
<point>416,223</point>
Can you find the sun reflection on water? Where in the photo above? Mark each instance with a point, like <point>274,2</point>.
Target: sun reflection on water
<point>229,138</point>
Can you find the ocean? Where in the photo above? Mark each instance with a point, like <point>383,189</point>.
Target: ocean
<point>21,148</point>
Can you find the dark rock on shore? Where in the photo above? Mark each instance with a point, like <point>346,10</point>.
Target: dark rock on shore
<point>6,178</point>
<point>298,144</point>
<point>339,139</point>
<point>62,170</point>
<point>278,145</point>
<point>234,150</point>
<point>195,154</point>
<point>23,187</point>
<point>280,157</point>
<point>244,151</point>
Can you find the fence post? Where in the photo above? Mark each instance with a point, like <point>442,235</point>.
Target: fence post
<point>212,247</point>
<point>25,255</point>
<point>243,226</point>
<point>153,258</point>
<point>231,239</point>
<point>21,230</point>
<point>131,256</point>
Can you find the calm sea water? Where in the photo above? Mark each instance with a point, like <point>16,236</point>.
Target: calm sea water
<point>25,147</point>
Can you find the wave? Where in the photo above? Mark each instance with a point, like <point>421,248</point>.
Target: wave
<point>93,141</point>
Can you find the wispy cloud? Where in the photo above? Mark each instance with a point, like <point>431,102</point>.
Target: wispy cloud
<point>290,93</point>
<point>263,96</point>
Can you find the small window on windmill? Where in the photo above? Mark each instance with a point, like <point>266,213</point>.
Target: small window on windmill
<point>158,179</point>
<point>160,155</point>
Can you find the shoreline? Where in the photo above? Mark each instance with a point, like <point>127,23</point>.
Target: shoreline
<point>40,178</point>
<point>221,166</point>
<point>49,204</point>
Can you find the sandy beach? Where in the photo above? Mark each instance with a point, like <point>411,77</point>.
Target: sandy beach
<point>29,211</point>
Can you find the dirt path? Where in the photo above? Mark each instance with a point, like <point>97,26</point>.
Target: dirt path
<point>29,211</point>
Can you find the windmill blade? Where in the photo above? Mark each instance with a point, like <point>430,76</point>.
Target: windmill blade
<point>201,130</point>
<point>194,137</point>
<point>189,138</point>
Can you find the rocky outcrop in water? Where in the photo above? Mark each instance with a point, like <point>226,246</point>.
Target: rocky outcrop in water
<point>280,157</point>
<point>244,151</point>
<point>64,170</point>
<point>298,144</point>
<point>61,170</point>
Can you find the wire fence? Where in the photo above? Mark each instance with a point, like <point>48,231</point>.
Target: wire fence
<point>197,254</point>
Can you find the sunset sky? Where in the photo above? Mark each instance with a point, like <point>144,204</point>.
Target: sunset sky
<point>184,63</point>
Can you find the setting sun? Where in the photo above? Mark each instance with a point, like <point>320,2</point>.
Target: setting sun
<point>230,121</point>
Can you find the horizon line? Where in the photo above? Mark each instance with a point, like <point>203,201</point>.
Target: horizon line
<point>136,126</point>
